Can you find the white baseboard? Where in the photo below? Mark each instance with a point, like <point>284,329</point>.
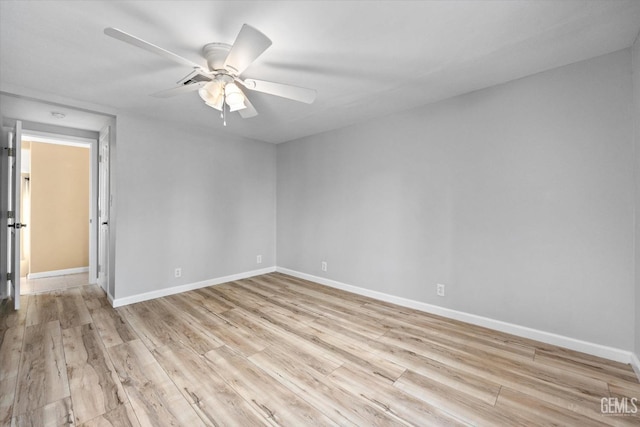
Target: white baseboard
<point>606,352</point>
<point>635,364</point>
<point>118,302</point>
<point>54,273</point>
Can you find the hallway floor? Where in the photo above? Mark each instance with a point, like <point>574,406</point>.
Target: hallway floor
<point>47,284</point>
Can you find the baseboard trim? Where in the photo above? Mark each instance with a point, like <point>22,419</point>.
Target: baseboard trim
<point>119,302</point>
<point>54,273</point>
<point>606,352</point>
<point>635,364</point>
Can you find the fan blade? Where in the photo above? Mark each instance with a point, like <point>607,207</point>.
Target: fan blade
<point>179,90</point>
<point>248,46</point>
<point>295,93</point>
<point>249,110</point>
<point>132,40</point>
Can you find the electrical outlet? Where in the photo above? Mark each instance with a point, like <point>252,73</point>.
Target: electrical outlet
<point>324,265</point>
<point>440,289</point>
<point>259,259</point>
<point>177,272</point>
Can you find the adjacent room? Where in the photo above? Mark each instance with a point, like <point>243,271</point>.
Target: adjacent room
<point>320,213</point>
<point>55,202</point>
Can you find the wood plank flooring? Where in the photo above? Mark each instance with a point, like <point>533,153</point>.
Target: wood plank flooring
<point>279,351</point>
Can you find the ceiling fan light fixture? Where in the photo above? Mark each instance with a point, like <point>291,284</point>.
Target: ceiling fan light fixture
<point>212,94</point>
<point>234,97</point>
<point>237,107</point>
<point>217,106</point>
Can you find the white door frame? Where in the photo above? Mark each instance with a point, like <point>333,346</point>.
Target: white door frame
<point>104,207</point>
<point>4,207</point>
<point>14,189</point>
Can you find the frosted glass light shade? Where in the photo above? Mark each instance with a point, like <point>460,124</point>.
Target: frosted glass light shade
<point>212,94</point>
<point>234,97</point>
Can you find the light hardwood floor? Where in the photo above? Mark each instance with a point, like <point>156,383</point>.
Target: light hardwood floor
<point>54,283</point>
<point>276,350</point>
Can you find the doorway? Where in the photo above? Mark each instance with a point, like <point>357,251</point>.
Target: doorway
<point>59,199</point>
<point>56,199</point>
<point>22,114</point>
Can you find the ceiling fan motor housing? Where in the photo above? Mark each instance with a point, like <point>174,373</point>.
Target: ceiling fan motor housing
<point>216,54</point>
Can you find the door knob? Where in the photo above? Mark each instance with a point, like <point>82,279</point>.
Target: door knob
<point>17,225</point>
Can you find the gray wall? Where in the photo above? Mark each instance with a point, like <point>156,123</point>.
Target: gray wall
<point>519,198</point>
<point>636,115</point>
<point>189,199</point>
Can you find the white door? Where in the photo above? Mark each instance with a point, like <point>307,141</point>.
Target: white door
<point>103,209</point>
<point>14,224</point>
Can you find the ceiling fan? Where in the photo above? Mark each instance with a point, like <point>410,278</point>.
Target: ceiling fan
<point>219,85</point>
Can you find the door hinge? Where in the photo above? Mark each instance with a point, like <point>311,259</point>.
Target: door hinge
<point>11,152</point>
<point>99,158</point>
<point>10,277</point>
<point>99,268</point>
<point>11,214</point>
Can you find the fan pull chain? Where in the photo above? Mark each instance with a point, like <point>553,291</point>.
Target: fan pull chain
<point>224,111</point>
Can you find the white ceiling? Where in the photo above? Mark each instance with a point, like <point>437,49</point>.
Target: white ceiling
<point>365,58</point>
